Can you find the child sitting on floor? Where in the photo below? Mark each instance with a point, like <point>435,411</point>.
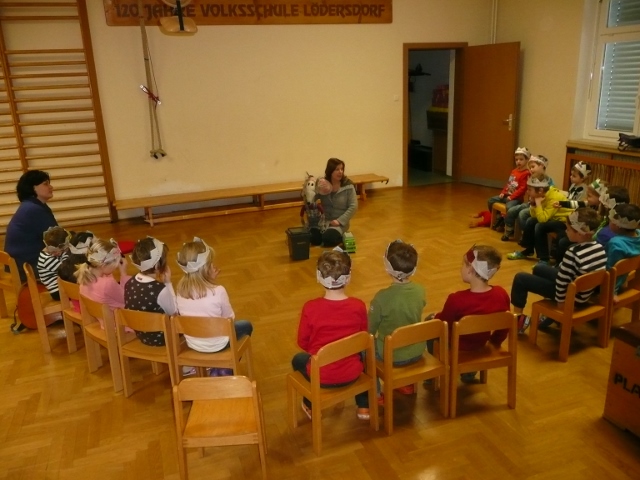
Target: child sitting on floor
<point>398,305</point>
<point>198,295</point>
<point>513,192</point>
<point>56,240</point>
<point>544,197</point>
<point>584,256</point>
<point>624,221</point>
<point>479,265</point>
<point>150,290</point>
<point>327,319</point>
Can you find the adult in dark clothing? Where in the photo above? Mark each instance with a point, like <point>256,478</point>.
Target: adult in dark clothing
<point>23,240</point>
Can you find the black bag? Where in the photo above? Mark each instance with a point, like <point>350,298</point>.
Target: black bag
<point>628,141</point>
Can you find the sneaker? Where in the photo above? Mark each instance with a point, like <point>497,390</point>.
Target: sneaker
<point>306,410</point>
<point>381,400</point>
<point>545,322</point>
<point>469,377</point>
<point>543,262</point>
<point>519,255</point>
<point>523,323</point>
<point>188,371</point>
<point>406,390</point>
<point>363,414</point>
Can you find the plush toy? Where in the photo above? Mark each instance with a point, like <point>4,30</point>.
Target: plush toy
<point>480,219</point>
<point>314,210</point>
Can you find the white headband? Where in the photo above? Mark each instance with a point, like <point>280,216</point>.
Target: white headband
<point>577,225</point>
<point>538,183</point>
<point>523,151</point>
<point>623,222</point>
<point>155,254</point>
<point>81,248</point>
<point>331,283</point>
<point>481,267</point>
<point>201,260</point>
<point>103,257</point>
<point>398,275</point>
<point>607,201</point>
<point>599,187</point>
<point>53,249</point>
<point>582,168</point>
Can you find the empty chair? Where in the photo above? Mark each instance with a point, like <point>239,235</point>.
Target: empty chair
<point>224,411</point>
<point>129,346</point>
<point>43,306</point>
<point>99,330</point>
<point>570,314</point>
<point>9,281</point>
<point>487,357</point>
<point>207,327</point>
<point>322,398</point>
<point>427,367</point>
<point>68,292</point>
<point>629,296</point>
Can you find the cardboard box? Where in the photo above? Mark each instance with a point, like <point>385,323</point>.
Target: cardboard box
<point>622,405</point>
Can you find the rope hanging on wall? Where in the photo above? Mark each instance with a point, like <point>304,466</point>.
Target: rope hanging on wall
<point>153,99</point>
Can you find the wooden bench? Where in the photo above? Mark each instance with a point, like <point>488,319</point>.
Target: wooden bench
<point>257,203</point>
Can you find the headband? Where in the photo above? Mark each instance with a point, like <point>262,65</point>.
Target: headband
<point>201,259</point>
<point>582,168</point>
<point>607,201</point>
<point>155,256</point>
<point>481,267</point>
<point>52,249</point>
<point>81,248</point>
<point>398,275</point>
<point>103,257</point>
<point>577,225</point>
<point>623,222</point>
<point>598,186</point>
<point>523,151</point>
<point>538,183</point>
<point>541,161</point>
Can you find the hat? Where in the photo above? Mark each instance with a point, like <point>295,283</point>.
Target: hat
<point>583,168</point>
<point>523,151</point>
<point>538,182</point>
<point>539,159</point>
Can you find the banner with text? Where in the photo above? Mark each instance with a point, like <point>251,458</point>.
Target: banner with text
<point>256,12</point>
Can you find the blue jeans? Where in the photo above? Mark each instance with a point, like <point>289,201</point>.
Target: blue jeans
<point>508,203</point>
<point>299,364</point>
<point>513,214</point>
<point>542,282</point>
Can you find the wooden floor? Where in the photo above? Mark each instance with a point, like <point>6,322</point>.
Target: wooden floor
<point>58,421</point>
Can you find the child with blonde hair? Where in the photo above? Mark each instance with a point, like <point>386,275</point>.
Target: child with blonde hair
<point>150,290</point>
<point>95,276</point>
<point>198,295</point>
<point>56,240</point>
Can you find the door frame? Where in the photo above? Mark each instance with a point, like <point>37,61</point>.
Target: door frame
<point>406,48</point>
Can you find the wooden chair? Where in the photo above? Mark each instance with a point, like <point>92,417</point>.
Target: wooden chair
<point>131,347</point>
<point>9,281</point>
<point>43,305</point>
<point>70,291</point>
<point>95,336</point>
<point>322,398</point>
<point>207,327</point>
<point>569,316</point>
<point>487,357</point>
<point>427,367</point>
<point>224,411</point>
<point>629,297</point>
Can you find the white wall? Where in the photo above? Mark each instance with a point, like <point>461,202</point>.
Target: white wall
<point>550,35</point>
<point>246,105</point>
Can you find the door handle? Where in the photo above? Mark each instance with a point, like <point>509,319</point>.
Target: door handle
<point>508,121</point>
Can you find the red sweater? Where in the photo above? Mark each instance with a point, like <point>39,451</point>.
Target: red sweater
<point>324,321</point>
<point>465,302</point>
<point>517,184</point>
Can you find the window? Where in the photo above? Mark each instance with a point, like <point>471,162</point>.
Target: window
<point>614,102</point>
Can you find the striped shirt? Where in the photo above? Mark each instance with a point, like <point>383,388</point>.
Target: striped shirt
<point>48,270</point>
<point>579,259</point>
